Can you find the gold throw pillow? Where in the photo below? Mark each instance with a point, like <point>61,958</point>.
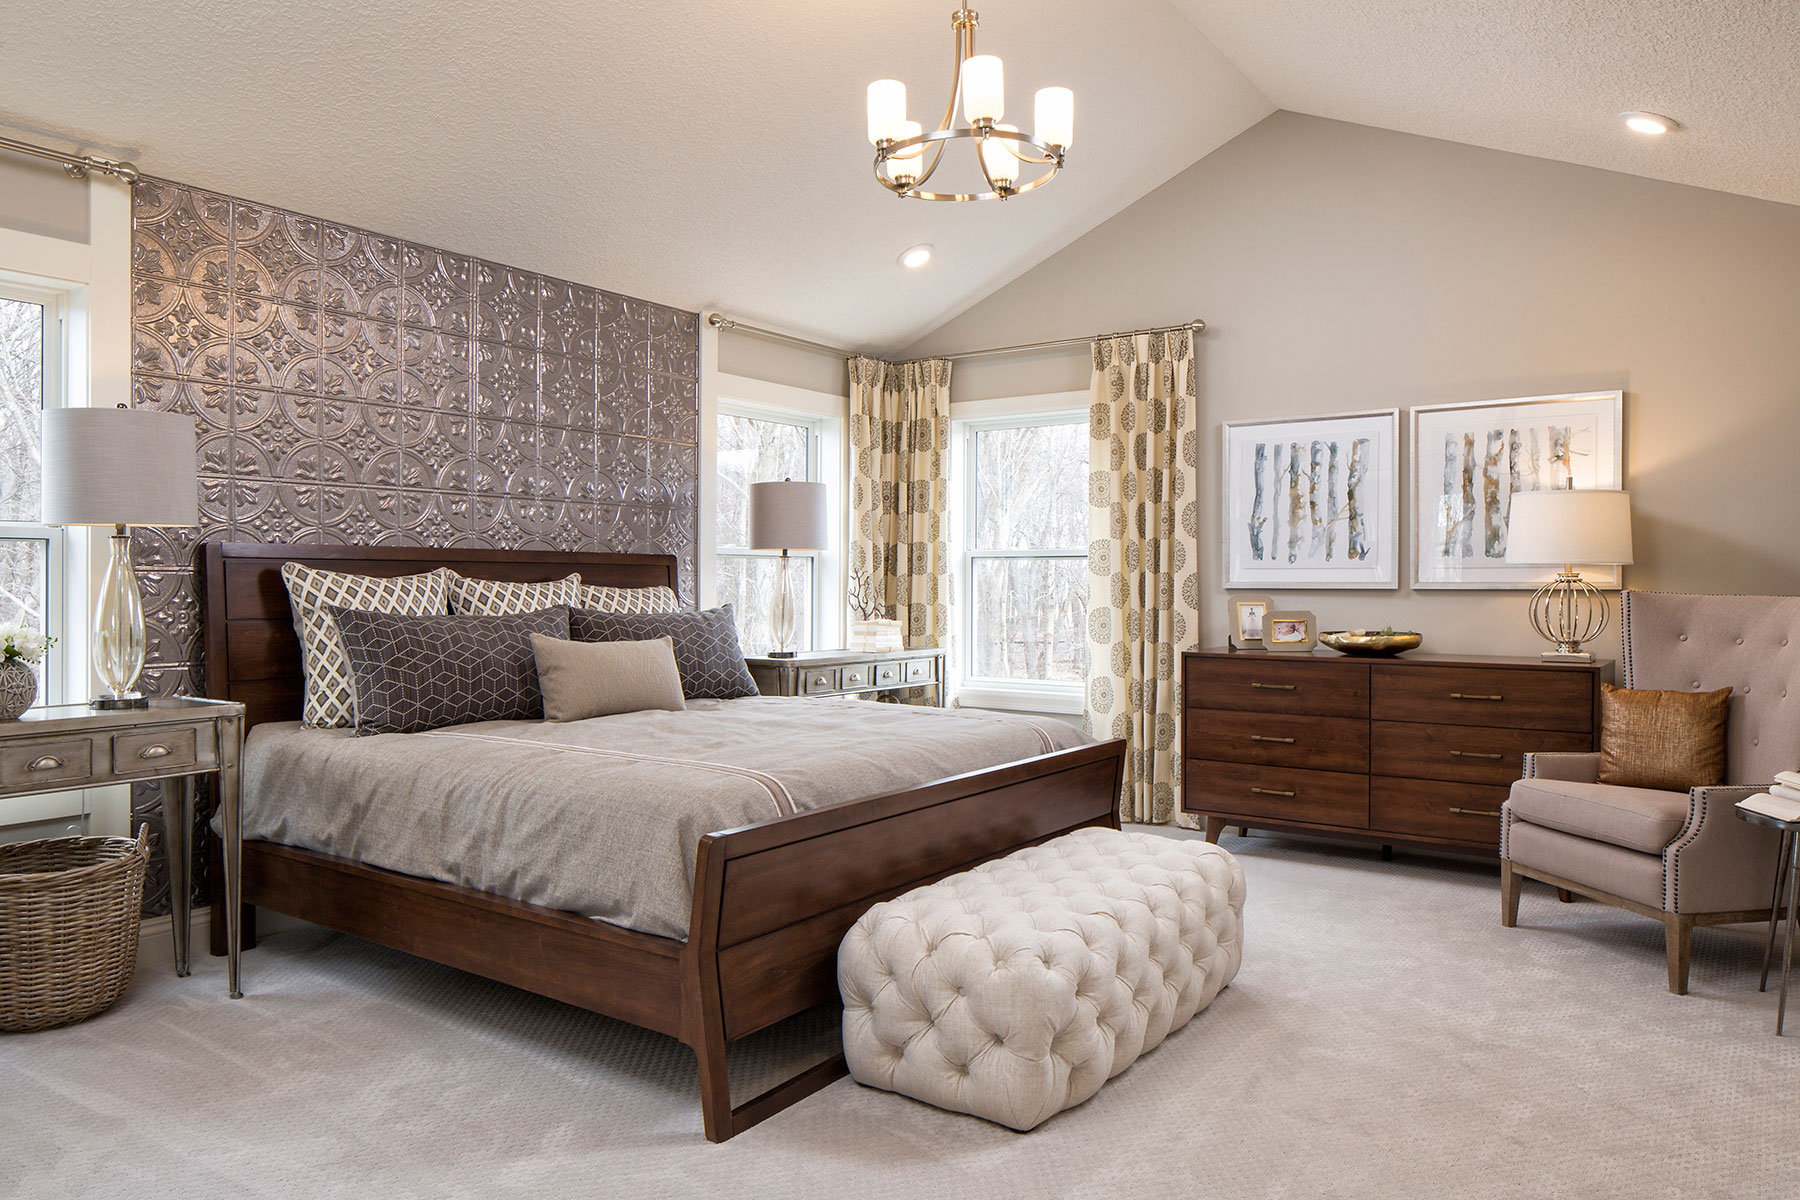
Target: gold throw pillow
<point>1668,740</point>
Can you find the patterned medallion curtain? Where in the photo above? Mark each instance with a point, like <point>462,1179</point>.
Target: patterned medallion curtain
<point>899,437</point>
<point>1143,590</point>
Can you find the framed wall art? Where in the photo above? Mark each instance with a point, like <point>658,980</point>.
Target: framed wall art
<point>1313,502</point>
<point>1468,460</point>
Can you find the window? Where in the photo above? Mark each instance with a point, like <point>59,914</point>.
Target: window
<point>760,447</point>
<point>31,568</point>
<point>1024,536</point>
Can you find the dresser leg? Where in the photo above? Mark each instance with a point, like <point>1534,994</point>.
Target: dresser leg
<point>1565,895</point>
<point>1215,829</point>
<point>1387,854</point>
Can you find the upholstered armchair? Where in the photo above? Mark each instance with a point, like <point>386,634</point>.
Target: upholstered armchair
<point>1683,858</point>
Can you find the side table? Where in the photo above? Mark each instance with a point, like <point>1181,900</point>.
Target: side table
<point>67,747</point>
<point>848,672</point>
<point>1787,864</point>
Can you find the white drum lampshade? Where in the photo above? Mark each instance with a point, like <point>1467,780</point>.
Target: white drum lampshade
<point>787,516</point>
<point>1567,529</point>
<point>119,467</point>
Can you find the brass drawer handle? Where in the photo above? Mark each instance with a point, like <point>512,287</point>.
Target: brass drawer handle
<point>1473,754</point>
<point>1466,696</point>
<point>1276,687</point>
<point>47,763</point>
<point>157,751</point>
<point>1476,812</point>
<point>1270,792</point>
<point>1257,737</point>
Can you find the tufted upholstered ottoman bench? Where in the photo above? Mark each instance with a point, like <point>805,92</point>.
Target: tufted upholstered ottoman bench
<point>1013,991</point>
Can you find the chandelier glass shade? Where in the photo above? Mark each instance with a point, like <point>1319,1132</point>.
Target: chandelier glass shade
<point>906,157</point>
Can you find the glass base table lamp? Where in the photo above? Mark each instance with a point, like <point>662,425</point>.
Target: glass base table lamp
<point>119,467</point>
<point>1566,528</point>
<point>787,516</point>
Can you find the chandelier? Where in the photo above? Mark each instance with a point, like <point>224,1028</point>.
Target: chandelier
<point>906,157</point>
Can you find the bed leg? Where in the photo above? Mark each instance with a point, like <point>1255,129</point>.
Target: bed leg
<point>715,1083</point>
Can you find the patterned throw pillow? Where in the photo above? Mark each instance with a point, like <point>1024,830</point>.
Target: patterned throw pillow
<point>330,695</point>
<point>629,600</point>
<point>706,646</point>
<point>416,673</point>
<point>498,598</point>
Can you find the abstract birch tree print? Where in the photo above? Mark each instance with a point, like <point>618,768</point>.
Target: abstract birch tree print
<point>1307,502</point>
<point>1506,460</point>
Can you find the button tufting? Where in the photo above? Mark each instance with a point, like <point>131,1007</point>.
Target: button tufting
<point>1684,637</point>
<point>1740,641</point>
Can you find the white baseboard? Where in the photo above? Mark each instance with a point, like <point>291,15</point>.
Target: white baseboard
<point>156,937</point>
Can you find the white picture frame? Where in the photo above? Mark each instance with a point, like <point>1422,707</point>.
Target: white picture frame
<point>1335,523</point>
<point>1467,460</point>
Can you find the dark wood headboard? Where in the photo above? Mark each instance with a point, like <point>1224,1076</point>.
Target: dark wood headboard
<point>252,653</point>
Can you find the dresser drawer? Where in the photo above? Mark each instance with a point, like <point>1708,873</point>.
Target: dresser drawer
<point>1459,812</point>
<point>1265,683</point>
<point>920,670</point>
<point>857,677</point>
<point>160,749</point>
<point>1278,793</point>
<point>1521,698</point>
<point>819,679</point>
<point>1468,753</point>
<point>887,674</point>
<point>44,763</point>
<point>1276,739</point>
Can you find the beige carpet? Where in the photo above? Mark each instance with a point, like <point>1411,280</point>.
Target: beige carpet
<point>1385,1038</point>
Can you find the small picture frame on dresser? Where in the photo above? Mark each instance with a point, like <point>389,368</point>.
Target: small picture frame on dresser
<point>1290,631</point>
<point>1247,616</point>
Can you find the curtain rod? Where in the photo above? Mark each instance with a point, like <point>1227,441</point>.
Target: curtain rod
<point>722,322</point>
<point>77,165</point>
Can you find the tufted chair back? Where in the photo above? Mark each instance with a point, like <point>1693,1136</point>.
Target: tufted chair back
<point>1689,643</point>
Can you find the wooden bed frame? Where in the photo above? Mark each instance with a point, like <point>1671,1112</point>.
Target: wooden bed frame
<point>771,900</point>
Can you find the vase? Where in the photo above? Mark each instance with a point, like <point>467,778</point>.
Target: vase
<point>18,688</point>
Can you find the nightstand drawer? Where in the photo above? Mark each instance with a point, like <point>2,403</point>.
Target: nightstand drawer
<point>857,677</point>
<point>45,763</point>
<point>887,674</point>
<point>920,670</point>
<point>819,679</point>
<point>148,750</point>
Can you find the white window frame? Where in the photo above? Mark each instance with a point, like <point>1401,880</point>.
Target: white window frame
<point>968,419</point>
<point>55,303</point>
<point>824,416</point>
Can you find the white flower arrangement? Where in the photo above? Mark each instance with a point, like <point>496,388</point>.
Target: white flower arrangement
<point>19,644</point>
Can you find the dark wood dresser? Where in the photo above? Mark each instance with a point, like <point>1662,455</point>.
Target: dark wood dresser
<point>1420,748</point>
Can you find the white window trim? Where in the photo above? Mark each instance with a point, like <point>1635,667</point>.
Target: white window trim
<point>94,279</point>
<point>826,416</point>
<point>967,419</point>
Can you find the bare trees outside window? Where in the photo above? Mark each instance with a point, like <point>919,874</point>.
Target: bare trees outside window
<point>1027,552</point>
<point>24,560</point>
<point>758,450</point>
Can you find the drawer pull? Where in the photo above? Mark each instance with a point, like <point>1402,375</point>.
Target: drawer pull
<point>1474,754</point>
<point>157,751</point>
<point>47,763</point>
<point>1276,687</point>
<point>1467,696</point>
<point>1260,791</point>
<point>1476,812</point>
<point>1257,737</point>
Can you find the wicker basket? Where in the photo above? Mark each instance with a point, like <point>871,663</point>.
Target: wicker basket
<point>69,919</point>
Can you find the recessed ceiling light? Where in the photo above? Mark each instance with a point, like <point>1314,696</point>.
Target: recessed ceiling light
<point>1646,122</point>
<point>915,256</point>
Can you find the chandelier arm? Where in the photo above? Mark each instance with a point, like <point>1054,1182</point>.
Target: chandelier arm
<point>965,46</point>
<point>937,156</point>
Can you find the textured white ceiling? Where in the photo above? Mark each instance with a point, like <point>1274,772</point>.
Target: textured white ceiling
<point>713,154</point>
<point>1543,77</point>
<point>693,153</point>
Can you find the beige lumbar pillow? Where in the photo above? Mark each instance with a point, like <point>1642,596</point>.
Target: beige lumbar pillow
<point>1668,740</point>
<point>601,679</point>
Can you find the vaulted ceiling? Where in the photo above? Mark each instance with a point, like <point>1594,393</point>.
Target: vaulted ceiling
<point>713,154</point>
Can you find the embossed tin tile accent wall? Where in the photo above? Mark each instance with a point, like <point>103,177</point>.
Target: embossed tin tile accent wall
<point>351,387</point>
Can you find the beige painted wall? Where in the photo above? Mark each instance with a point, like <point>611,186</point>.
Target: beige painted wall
<point>38,196</point>
<point>1341,267</point>
<point>777,362</point>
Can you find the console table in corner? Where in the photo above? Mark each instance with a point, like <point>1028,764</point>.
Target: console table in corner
<point>67,747</point>
<point>848,672</point>
<point>1420,748</point>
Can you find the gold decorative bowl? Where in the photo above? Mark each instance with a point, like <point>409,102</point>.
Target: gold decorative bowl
<point>1363,641</point>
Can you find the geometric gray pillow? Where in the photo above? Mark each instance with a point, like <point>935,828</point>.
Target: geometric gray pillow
<point>706,646</point>
<point>413,673</point>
